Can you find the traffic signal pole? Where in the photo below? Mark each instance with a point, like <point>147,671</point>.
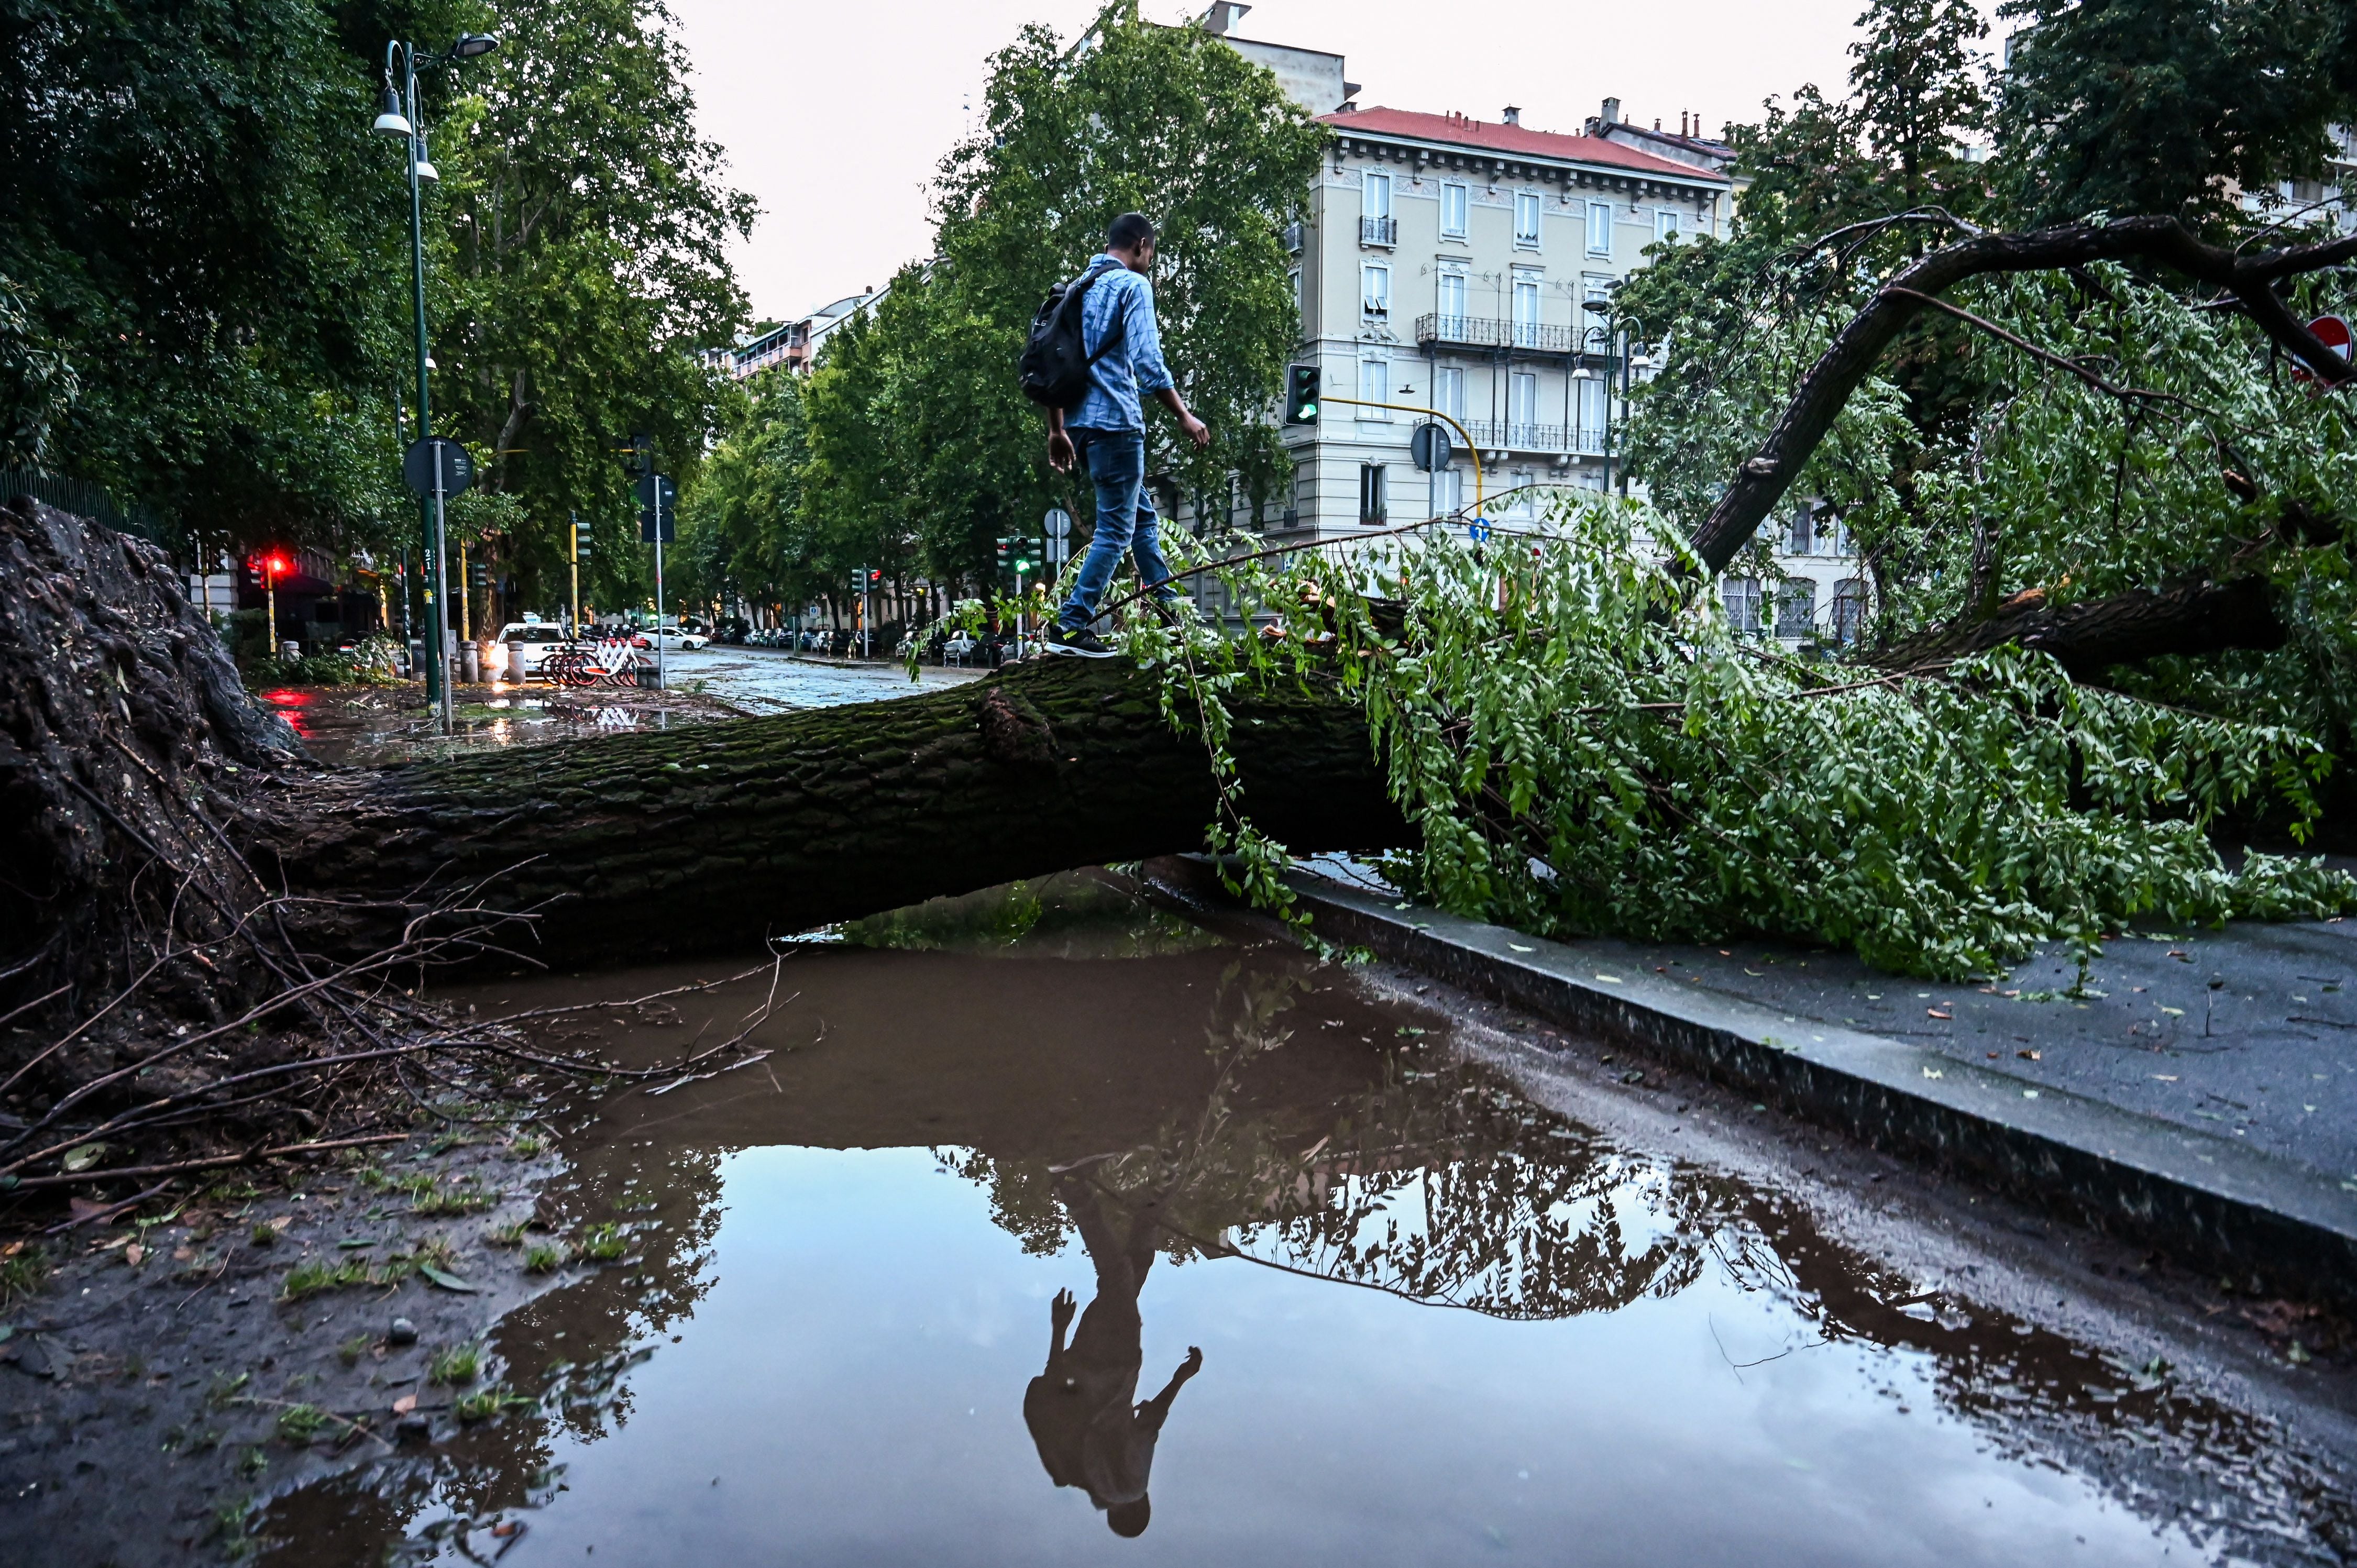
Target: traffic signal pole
<point>663,670</point>
<point>1472,450</point>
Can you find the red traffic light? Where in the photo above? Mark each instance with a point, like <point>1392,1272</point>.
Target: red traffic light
<point>279,564</point>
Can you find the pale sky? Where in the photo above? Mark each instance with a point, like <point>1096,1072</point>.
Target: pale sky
<point>835,115</point>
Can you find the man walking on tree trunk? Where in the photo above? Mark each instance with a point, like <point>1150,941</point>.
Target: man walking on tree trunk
<point>1107,431</point>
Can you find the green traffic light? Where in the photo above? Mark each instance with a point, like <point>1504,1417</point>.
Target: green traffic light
<point>1309,411</point>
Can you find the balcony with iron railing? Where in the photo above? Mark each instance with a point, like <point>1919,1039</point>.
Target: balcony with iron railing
<point>1379,231</point>
<point>1513,436</point>
<point>1492,332</point>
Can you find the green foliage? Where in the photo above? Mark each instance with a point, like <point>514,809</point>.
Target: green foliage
<point>2169,105</point>
<point>1585,749</point>
<point>299,1424</point>
<point>23,1270</point>
<point>603,1242</point>
<point>581,259</point>
<point>321,1274</point>
<point>544,1257</point>
<point>909,447</point>
<point>459,1364</point>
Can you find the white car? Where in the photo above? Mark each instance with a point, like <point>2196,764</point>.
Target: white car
<point>670,638</point>
<point>959,645</point>
<point>529,642</point>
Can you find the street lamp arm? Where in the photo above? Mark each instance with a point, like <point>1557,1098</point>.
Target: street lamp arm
<point>1472,449</point>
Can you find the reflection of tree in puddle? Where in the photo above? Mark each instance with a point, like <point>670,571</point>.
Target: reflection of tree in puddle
<point>1436,1184</point>
<point>1076,914</point>
<point>1418,1176</point>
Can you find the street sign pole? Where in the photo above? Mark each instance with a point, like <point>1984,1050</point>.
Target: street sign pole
<point>441,599</point>
<point>437,468</point>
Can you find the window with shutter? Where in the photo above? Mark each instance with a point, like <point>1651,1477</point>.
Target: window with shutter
<point>1375,287</point>
<point>1526,220</point>
<point>1599,227</point>
<point>1453,204</point>
<point>1371,492</point>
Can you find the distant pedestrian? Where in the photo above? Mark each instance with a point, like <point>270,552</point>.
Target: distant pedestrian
<point>1107,431</point>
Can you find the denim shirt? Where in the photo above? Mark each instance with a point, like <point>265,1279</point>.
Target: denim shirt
<point>1135,366</point>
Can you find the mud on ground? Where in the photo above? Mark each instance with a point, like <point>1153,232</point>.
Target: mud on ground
<point>168,1370</point>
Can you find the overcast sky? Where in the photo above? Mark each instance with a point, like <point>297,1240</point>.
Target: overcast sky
<point>835,115</point>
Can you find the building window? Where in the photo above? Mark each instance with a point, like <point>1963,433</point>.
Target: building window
<point>1803,541</point>
<point>1523,409</point>
<point>1454,201</point>
<point>1599,227</point>
<point>1448,392</point>
<point>1589,437</point>
<point>1374,386</point>
<point>1741,595</point>
<point>1665,224</point>
<point>1850,609</point>
<point>1375,225</point>
<point>1526,220</point>
<point>1796,607</point>
<point>1300,303</point>
<point>1371,492</point>
<point>1452,305</point>
<point>1522,500</point>
<point>1447,490</point>
<point>1526,309</point>
<point>1375,287</point>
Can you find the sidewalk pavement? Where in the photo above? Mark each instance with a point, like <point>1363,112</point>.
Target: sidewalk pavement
<point>2216,1122</point>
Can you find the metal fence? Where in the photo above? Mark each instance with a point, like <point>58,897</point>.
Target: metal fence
<point>1492,332</point>
<point>1514,435</point>
<point>83,499</point>
<point>1379,231</point>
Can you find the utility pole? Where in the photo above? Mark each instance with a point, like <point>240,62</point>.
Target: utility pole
<point>572,554</point>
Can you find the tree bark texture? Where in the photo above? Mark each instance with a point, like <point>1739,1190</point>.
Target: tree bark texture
<point>2094,635</point>
<point>721,835</point>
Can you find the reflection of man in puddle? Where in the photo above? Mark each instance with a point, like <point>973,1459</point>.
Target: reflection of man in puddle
<point>1089,1434</point>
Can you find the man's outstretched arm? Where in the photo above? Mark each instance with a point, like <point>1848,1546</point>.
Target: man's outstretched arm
<point>1156,1410</point>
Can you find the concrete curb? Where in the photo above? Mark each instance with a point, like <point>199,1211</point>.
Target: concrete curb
<point>2204,1201</point>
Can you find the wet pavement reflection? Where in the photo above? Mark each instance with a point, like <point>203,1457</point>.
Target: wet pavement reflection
<point>1060,1229</point>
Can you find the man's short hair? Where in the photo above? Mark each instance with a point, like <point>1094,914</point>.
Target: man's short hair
<point>1127,231</point>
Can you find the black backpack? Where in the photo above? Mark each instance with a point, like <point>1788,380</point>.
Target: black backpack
<point>1055,364</point>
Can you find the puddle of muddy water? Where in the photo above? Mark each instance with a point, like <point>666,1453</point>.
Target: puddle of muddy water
<point>925,1284</point>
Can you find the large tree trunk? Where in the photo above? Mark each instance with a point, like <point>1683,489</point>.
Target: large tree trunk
<point>2093,636</point>
<point>719,836</point>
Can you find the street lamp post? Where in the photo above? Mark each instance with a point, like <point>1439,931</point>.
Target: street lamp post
<point>1628,339</point>
<point>399,116</point>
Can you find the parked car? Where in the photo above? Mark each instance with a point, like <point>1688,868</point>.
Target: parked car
<point>670,638</point>
<point>959,647</point>
<point>529,642</point>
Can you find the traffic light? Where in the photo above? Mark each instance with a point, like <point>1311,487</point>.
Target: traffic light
<point>581,537</point>
<point>478,574</point>
<point>1301,394</point>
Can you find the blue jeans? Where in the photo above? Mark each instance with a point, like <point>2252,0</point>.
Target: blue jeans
<point>1125,521</point>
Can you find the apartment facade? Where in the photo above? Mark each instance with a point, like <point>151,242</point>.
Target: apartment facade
<point>1447,266</point>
